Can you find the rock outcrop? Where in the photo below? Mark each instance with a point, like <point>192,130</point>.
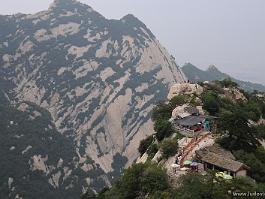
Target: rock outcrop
<point>184,89</point>
<point>184,111</point>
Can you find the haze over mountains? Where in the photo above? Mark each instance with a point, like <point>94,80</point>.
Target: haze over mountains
<point>212,73</point>
<point>96,81</point>
<point>76,94</point>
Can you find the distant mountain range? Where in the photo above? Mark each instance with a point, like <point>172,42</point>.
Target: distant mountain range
<point>212,73</point>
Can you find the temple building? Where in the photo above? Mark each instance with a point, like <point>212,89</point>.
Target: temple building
<point>218,159</point>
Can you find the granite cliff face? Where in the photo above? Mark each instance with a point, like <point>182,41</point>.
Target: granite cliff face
<point>97,78</point>
<point>39,162</point>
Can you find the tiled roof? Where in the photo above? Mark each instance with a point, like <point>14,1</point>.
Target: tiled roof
<point>220,158</point>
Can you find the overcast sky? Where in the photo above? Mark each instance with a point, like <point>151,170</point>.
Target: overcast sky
<point>227,33</point>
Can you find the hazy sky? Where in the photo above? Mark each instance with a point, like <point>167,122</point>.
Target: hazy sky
<point>227,33</point>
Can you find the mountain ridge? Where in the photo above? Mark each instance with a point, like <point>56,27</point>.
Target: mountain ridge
<point>212,73</point>
<point>98,79</point>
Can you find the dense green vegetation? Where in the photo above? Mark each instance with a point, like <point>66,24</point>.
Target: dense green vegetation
<point>169,147</point>
<point>149,181</point>
<point>179,100</point>
<point>237,133</point>
<point>144,144</point>
<point>211,102</point>
<point>196,186</point>
<point>163,129</point>
<point>138,181</point>
<point>256,161</point>
<point>162,113</point>
<point>152,150</point>
<point>261,131</point>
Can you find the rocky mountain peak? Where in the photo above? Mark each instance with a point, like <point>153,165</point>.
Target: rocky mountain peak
<point>71,6</point>
<point>136,24</point>
<point>189,65</point>
<point>64,1</point>
<point>213,68</point>
<point>97,78</point>
<point>57,3</point>
<point>130,18</point>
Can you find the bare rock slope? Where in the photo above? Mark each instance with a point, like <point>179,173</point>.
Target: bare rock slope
<point>98,78</point>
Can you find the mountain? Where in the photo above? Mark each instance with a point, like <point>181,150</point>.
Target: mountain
<point>212,73</point>
<point>97,78</point>
<point>36,160</point>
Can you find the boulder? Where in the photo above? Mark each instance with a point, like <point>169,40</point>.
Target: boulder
<point>184,89</point>
<point>184,111</point>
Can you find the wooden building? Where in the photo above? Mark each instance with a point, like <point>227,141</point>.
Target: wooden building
<point>221,162</point>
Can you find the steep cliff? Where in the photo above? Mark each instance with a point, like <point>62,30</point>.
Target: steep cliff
<point>98,78</point>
